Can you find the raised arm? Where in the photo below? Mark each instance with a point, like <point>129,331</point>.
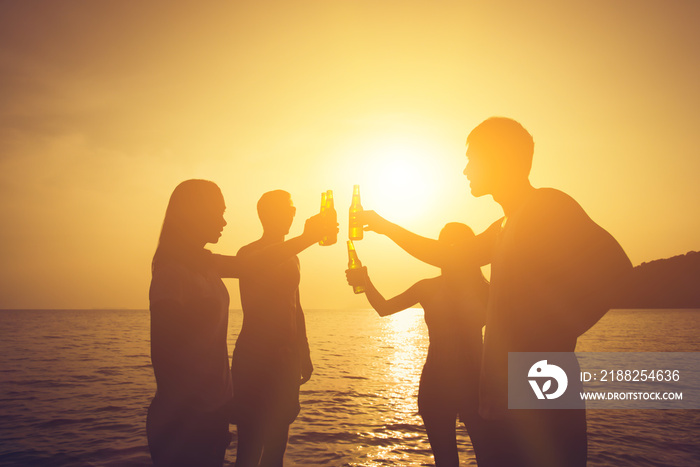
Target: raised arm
<point>432,251</point>
<point>315,228</point>
<point>382,306</point>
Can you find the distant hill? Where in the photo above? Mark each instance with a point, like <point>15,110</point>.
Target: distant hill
<point>665,283</point>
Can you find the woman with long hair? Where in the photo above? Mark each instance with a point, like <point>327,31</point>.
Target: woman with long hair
<point>187,423</point>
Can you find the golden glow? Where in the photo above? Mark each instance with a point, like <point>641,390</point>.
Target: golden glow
<point>402,182</point>
<point>400,176</point>
<point>408,350</point>
<point>105,112</point>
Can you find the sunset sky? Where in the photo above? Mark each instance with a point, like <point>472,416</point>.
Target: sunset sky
<point>106,106</point>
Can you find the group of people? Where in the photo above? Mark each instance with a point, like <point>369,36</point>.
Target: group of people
<point>553,275</point>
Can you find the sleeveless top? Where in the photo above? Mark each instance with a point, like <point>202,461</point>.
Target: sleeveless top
<point>190,334</point>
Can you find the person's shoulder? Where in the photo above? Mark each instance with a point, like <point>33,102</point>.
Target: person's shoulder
<point>167,281</point>
<point>422,291</point>
<point>431,281</point>
<point>493,229</point>
<point>249,248</point>
<point>428,285</point>
<point>168,270</point>
<point>549,205</point>
<point>553,197</point>
<point>548,220</point>
<point>494,226</point>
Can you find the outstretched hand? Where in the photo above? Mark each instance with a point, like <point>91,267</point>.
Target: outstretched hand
<point>373,222</point>
<point>318,226</point>
<point>356,277</point>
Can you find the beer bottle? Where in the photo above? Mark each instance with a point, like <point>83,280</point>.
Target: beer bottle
<point>354,226</point>
<point>354,263</point>
<point>332,217</point>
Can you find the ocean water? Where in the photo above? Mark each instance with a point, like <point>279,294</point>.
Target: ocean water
<point>75,385</point>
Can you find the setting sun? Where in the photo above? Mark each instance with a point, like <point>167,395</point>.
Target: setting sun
<point>400,177</point>
<point>118,329</point>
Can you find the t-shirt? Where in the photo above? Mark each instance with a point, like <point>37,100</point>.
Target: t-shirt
<point>269,301</point>
<point>266,364</point>
<point>553,274</point>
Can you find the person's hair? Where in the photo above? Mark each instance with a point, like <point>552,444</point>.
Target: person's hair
<point>506,139</point>
<point>456,234</point>
<point>188,200</point>
<point>269,204</point>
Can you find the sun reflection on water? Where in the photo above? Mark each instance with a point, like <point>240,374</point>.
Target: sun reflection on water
<point>404,344</point>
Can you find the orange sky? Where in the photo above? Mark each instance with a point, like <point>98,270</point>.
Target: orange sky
<point>106,106</point>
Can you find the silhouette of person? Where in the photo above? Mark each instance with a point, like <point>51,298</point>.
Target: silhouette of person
<point>554,274</point>
<point>271,358</point>
<point>187,422</point>
<point>454,304</point>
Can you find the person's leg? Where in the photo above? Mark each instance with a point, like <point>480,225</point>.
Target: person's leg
<point>439,412</point>
<point>274,445</point>
<point>216,439</point>
<point>491,440</point>
<point>550,438</point>
<point>442,435</point>
<point>477,431</point>
<point>250,445</point>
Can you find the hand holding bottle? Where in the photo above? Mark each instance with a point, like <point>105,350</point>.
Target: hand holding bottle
<point>318,226</point>
<point>356,277</point>
<point>373,222</point>
<point>355,264</point>
<point>328,210</point>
